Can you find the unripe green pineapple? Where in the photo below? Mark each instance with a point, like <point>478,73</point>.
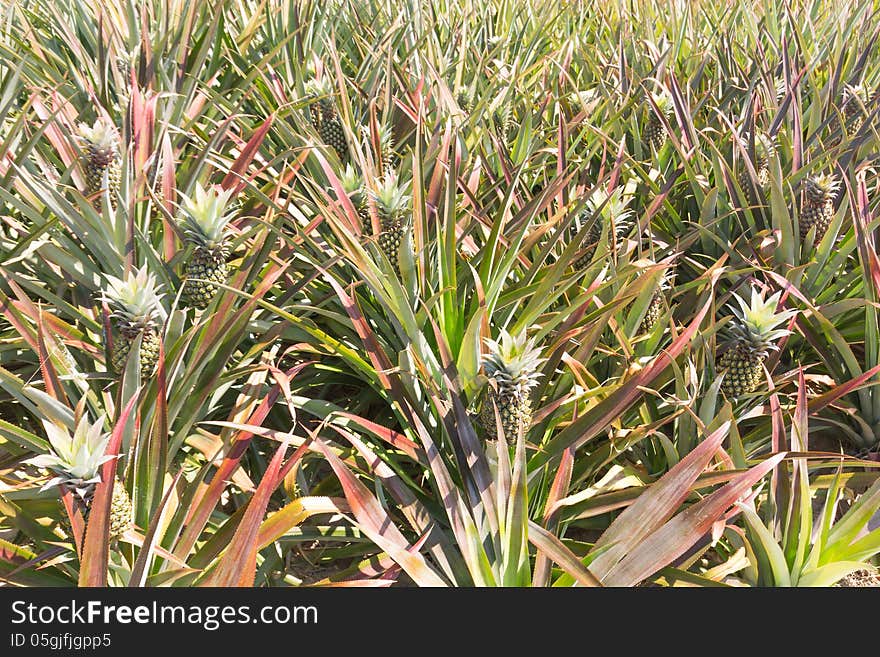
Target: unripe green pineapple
<point>765,147</point>
<point>101,160</point>
<point>136,310</point>
<point>652,314</point>
<point>818,206</point>
<point>655,305</point>
<point>205,218</point>
<point>465,100</point>
<point>654,134</point>
<point>324,116</point>
<point>751,337</point>
<point>353,184</point>
<point>503,120</point>
<point>511,365</point>
<point>602,209</point>
<point>392,206</point>
<point>390,158</point>
<point>76,460</point>
<point>855,98</point>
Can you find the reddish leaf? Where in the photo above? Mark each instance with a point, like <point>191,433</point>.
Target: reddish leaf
<point>548,544</point>
<point>95,557</point>
<point>238,565</point>
<point>376,524</point>
<point>655,505</point>
<point>243,161</point>
<point>675,537</point>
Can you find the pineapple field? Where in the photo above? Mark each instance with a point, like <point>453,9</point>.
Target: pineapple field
<point>451,293</point>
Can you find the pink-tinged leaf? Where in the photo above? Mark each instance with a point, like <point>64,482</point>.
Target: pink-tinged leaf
<point>390,436</point>
<point>50,376</point>
<point>375,523</point>
<point>598,418</point>
<point>799,425</point>
<point>236,176</point>
<point>134,537</point>
<point>201,511</point>
<point>138,570</point>
<point>77,522</point>
<point>143,122</point>
<point>95,556</point>
<point>238,564</point>
<point>655,505</point>
<point>548,544</point>
<point>352,223</point>
<point>818,403</point>
<point>294,513</point>
<point>674,538</point>
<point>169,196</point>
<point>558,490</point>
<point>414,511</point>
<point>862,219</point>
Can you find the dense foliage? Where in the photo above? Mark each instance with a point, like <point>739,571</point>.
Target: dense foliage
<point>496,293</point>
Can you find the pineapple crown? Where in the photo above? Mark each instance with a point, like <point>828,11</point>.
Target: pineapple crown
<point>319,87</point>
<point>663,101</point>
<point>206,215</point>
<point>102,135</point>
<point>390,197</point>
<point>765,145</point>
<point>135,300</point>
<point>855,91</point>
<point>755,322</point>
<point>352,181</point>
<point>820,187</point>
<point>75,459</point>
<point>386,137</point>
<point>780,88</point>
<point>512,362</point>
<point>612,207</point>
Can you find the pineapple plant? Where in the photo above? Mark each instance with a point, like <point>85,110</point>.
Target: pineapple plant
<point>353,184</point>
<point>75,460</point>
<point>136,311</point>
<point>205,218</point>
<point>751,337</point>
<point>818,205</point>
<point>324,116</point>
<point>654,134</point>
<point>101,160</point>
<point>855,98</point>
<point>392,204</point>
<point>603,209</point>
<point>511,366</point>
<point>765,147</point>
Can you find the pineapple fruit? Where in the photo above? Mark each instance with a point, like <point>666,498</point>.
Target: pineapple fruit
<point>392,205</point>
<point>390,158</point>
<point>205,217</point>
<point>655,306</point>
<point>855,98</point>
<point>751,337</point>
<point>818,206</point>
<point>602,209</point>
<point>136,310</point>
<point>324,116</point>
<point>511,365</point>
<point>353,184</point>
<point>654,134</point>
<point>76,461</point>
<point>765,147</point>
<point>101,160</point>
